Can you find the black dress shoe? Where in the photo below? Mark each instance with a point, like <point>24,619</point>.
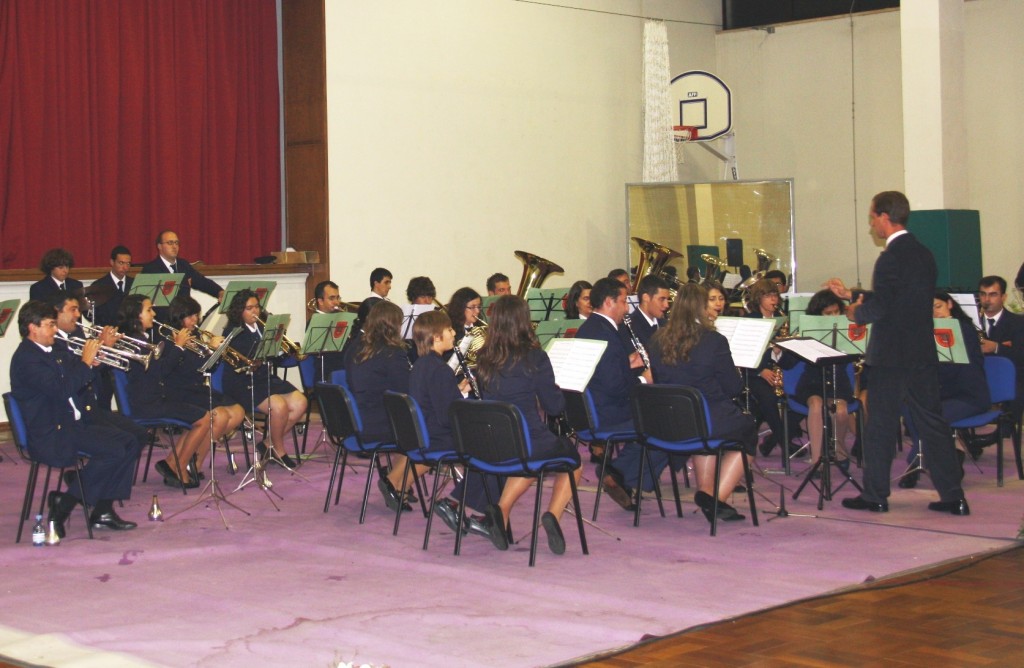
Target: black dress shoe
<point>768,444</point>
<point>111,520</point>
<point>957,507</point>
<point>620,494</point>
<point>495,523</point>
<point>909,480</point>
<point>860,503</point>
<point>391,498</point>
<point>286,461</point>
<point>706,503</point>
<point>448,511</point>
<point>556,541</point>
<point>477,524</point>
<point>171,478</point>
<point>58,503</point>
<point>70,477</point>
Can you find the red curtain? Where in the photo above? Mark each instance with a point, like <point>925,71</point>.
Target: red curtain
<point>120,118</point>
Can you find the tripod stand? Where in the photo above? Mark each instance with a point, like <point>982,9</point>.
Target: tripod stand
<point>212,489</point>
<point>829,442</point>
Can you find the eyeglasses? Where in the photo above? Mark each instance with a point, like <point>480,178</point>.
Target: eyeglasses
<point>171,243</point>
<point>473,308</point>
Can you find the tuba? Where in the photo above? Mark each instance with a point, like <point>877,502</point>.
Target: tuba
<point>716,269</point>
<point>653,258</point>
<point>535,270</point>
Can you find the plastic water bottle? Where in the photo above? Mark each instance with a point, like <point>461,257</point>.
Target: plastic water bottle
<point>38,532</point>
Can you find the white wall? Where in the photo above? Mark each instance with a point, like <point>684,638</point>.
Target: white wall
<point>792,110</point>
<point>461,130</point>
<point>792,98</point>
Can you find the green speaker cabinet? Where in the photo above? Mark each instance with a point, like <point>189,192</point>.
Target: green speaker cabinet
<point>954,238</point>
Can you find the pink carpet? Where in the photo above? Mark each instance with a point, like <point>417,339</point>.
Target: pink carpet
<point>300,587</point>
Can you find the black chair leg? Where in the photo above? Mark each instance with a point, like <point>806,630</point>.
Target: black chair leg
<point>401,496</point>
<point>748,477</point>
<point>536,518</point>
<point>334,475</point>
<point>718,478</point>
<point>433,501</point>
<point>86,510</point>
<point>462,515</point>
<point>675,489</point>
<point>639,494</point>
<point>374,460</point>
<point>579,515</point>
<point>600,478</point>
<point>30,489</point>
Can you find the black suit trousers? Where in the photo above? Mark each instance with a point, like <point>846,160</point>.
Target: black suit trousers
<point>916,390</point>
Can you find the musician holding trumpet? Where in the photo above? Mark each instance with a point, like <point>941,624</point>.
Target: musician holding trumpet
<point>270,394</point>
<point>46,380</point>
<point>151,396</point>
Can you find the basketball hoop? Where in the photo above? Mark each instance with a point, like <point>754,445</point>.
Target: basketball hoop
<point>681,135</point>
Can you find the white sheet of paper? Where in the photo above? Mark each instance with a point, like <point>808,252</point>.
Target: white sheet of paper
<point>409,314</point>
<point>811,350</point>
<point>574,361</point>
<point>748,338</point>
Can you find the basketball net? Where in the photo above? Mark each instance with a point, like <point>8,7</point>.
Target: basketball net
<point>659,154</point>
<point>681,136</point>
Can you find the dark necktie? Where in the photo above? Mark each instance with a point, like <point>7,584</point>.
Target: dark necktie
<point>60,286</point>
<point>991,324</point>
<point>120,285</point>
<point>174,268</point>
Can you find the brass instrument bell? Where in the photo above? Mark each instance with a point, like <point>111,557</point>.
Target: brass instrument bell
<point>535,270</point>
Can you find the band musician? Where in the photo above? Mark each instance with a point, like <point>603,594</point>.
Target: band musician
<point>168,261</point>
<point>45,380</point>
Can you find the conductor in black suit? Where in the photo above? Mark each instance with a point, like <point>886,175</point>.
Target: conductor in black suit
<point>56,264</point>
<point>168,262</point>
<point>902,360</point>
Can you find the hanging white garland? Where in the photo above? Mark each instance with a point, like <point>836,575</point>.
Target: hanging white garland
<point>659,148</point>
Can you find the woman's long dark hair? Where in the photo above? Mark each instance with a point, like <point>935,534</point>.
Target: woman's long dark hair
<point>510,338</point>
<point>237,306</point>
<point>128,316</point>
<point>955,310</point>
<point>821,300</point>
<point>689,322</point>
<point>457,309</point>
<point>572,312</point>
<point>181,308</point>
<point>383,329</point>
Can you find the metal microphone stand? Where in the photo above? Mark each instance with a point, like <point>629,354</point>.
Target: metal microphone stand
<point>212,489</point>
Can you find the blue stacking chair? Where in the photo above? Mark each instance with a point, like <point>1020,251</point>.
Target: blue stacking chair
<point>344,428</point>
<point>124,405</point>
<point>582,417</point>
<point>340,377</point>
<point>675,419</point>
<point>1001,375</point>
<point>413,440</point>
<point>492,437</point>
<point>20,433</point>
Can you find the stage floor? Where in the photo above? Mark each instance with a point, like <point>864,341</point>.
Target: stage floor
<point>296,586</point>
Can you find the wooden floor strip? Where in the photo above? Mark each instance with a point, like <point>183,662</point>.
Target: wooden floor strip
<point>965,613</point>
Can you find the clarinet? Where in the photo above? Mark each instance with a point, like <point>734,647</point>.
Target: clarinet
<point>636,342</point>
<point>468,373</point>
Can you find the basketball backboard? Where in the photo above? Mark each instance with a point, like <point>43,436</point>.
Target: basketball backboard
<point>702,101</point>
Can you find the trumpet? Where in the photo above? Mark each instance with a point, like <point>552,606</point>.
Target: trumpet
<point>343,307</point>
<point>288,347</point>
<point>117,358</point>
<point>197,345</point>
<point>125,342</point>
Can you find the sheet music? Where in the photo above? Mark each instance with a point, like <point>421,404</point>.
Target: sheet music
<point>409,314</point>
<point>574,361</point>
<point>811,350</point>
<point>748,338</point>
<point>730,281</point>
<point>969,305</point>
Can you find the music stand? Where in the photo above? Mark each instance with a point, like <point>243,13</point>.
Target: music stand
<point>542,302</point>
<point>409,314</point>
<point>556,329</point>
<point>268,346</point>
<point>160,289</point>
<point>263,290</point>
<point>327,333</point>
<point>829,359</point>
<point>212,489</point>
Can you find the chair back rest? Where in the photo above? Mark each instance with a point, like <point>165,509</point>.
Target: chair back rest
<point>407,424</point>
<point>791,377</point>
<point>340,377</point>
<point>338,412</point>
<point>307,371</point>
<point>121,392</point>
<point>579,410</point>
<point>18,429</point>
<point>674,413</point>
<point>217,377</point>
<point>489,431</point>
<point>1001,375</point>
